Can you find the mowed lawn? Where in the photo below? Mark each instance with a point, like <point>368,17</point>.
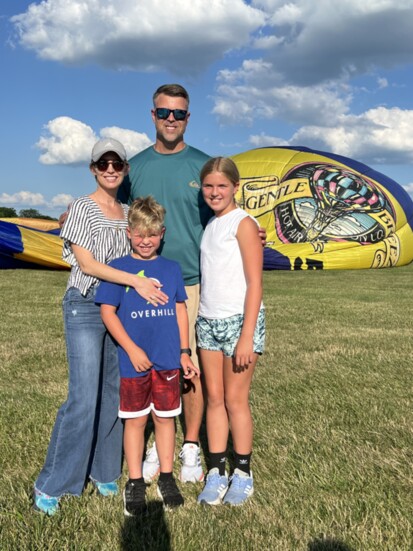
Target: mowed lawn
<point>332,405</point>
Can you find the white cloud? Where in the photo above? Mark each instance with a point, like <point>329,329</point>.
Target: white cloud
<point>311,50</point>
<point>263,140</point>
<point>69,141</point>
<point>27,199</point>
<point>409,189</point>
<point>324,40</point>
<point>132,141</point>
<point>382,83</point>
<point>148,35</point>
<point>23,199</point>
<point>255,90</point>
<point>61,200</point>
<point>379,135</point>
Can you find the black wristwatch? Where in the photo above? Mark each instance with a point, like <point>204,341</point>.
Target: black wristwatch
<point>186,351</point>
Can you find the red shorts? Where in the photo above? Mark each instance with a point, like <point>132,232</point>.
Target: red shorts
<point>157,391</point>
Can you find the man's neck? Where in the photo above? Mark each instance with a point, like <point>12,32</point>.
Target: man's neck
<point>168,148</point>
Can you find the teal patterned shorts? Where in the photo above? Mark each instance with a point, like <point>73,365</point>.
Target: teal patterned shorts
<point>222,334</point>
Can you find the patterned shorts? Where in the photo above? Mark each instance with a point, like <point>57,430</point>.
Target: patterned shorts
<point>157,391</point>
<point>222,334</point>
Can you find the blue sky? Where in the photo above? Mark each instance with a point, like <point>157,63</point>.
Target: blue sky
<point>335,76</point>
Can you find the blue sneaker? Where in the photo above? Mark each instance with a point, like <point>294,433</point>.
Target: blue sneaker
<point>45,504</point>
<point>240,489</point>
<point>106,488</point>
<point>215,488</point>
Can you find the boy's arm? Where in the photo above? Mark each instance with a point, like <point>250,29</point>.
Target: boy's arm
<point>252,259</point>
<point>190,370</point>
<point>137,356</point>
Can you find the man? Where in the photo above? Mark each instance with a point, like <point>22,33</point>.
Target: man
<point>169,171</point>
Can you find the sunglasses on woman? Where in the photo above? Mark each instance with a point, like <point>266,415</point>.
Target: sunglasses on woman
<point>103,165</point>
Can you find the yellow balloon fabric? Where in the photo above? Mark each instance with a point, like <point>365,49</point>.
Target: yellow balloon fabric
<point>30,243</point>
<point>324,211</point>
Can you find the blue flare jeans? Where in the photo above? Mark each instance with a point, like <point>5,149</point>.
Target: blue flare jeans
<point>86,441</point>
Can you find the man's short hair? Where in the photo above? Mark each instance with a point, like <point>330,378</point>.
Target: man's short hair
<point>172,90</point>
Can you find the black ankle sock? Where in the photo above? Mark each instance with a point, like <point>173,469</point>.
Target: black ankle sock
<point>165,476</point>
<point>217,461</point>
<point>242,462</point>
<point>136,480</point>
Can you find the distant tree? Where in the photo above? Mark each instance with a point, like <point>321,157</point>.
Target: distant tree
<point>34,213</point>
<point>7,212</point>
<point>30,213</point>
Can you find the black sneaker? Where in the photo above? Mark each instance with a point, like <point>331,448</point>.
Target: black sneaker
<point>134,498</point>
<point>169,493</point>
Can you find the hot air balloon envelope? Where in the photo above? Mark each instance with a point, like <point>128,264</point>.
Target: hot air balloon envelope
<point>325,211</point>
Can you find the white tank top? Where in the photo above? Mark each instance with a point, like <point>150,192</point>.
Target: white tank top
<point>223,284</point>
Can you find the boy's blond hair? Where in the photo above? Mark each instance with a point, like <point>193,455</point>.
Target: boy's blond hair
<point>146,215</point>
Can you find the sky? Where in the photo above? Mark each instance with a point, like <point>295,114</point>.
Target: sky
<point>334,76</point>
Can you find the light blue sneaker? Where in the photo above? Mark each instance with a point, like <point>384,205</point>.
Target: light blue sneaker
<point>106,488</point>
<point>214,490</point>
<point>45,504</point>
<point>240,489</point>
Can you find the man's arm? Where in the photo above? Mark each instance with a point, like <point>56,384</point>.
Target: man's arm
<point>190,370</point>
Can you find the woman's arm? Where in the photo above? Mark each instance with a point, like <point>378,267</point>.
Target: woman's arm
<point>137,356</point>
<point>146,287</point>
<point>252,259</point>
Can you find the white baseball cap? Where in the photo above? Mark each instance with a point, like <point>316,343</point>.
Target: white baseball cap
<point>104,146</point>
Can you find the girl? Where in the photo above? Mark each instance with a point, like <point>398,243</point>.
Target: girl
<point>230,330</point>
<point>86,441</point>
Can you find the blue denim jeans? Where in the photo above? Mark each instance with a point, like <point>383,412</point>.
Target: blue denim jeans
<point>87,436</point>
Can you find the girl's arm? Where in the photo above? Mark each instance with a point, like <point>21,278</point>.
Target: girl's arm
<point>252,259</point>
<point>145,286</point>
<point>137,356</point>
<point>190,370</point>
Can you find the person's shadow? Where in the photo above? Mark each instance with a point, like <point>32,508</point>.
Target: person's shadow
<point>328,544</point>
<point>147,531</point>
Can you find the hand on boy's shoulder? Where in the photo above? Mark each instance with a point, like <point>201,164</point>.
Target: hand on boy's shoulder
<point>262,232</point>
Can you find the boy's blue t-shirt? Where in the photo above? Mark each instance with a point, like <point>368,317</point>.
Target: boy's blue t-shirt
<point>155,330</point>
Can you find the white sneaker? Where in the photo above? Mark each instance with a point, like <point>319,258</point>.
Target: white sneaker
<point>151,466</point>
<point>191,470</point>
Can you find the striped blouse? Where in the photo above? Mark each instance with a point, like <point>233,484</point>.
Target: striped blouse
<point>87,227</point>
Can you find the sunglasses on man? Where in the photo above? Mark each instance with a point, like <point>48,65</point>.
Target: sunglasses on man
<point>163,113</point>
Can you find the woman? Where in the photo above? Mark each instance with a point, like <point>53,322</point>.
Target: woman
<point>86,441</point>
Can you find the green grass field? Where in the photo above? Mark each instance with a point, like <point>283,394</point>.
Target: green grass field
<point>332,405</point>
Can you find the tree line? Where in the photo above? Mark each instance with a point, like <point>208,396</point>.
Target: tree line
<point>8,212</point>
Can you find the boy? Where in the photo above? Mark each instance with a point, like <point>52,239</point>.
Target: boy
<point>153,345</point>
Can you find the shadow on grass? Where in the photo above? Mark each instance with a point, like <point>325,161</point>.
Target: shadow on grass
<point>148,531</point>
<point>329,544</point>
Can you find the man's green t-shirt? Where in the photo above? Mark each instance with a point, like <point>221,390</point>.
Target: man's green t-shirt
<point>173,180</point>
